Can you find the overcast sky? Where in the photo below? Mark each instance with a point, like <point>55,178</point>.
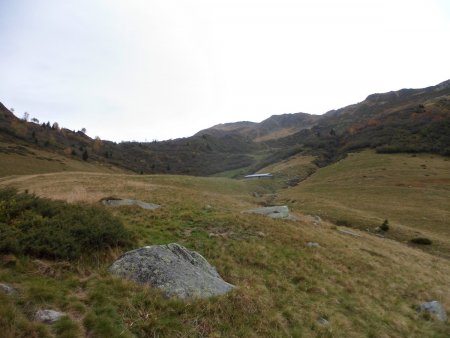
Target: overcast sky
<point>145,69</point>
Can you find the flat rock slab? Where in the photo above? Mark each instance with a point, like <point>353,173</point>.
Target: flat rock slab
<point>435,308</point>
<point>120,202</point>
<point>281,211</point>
<point>48,316</point>
<point>172,268</point>
<point>348,232</point>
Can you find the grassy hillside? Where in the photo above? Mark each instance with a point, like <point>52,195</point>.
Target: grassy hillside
<point>363,286</point>
<point>20,159</point>
<point>408,120</point>
<point>364,189</point>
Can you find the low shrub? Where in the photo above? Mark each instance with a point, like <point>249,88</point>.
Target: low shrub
<point>343,222</point>
<point>421,241</point>
<point>41,227</point>
<point>385,225</point>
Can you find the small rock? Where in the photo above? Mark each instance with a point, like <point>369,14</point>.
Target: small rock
<point>261,234</point>
<point>323,322</point>
<point>281,211</point>
<point>317,219</point>
<point>256,194</point>
<point>5,288</point>
<point>435,308</point>
<point>313,245</point>
<point>48,316</point>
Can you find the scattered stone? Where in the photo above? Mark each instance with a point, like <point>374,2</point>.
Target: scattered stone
<point>294,181</point>
<point>115,202</point>
<point>281,211</point>
<point>435,308</point>
<point>313,245</point>
<point>172,268</point>
<point>5,288</point>
<point>261,234</point>
<point>315,220</point>
<point>48,316</point>
<point>323,322</point>
<point>256,194</point>
<point>348,232</point>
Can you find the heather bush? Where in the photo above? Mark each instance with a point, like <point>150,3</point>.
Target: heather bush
<point>40,227</point>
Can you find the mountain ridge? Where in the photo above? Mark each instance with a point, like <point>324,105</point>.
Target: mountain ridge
<point>407,120</point>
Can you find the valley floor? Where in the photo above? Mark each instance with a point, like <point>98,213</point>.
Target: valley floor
<point>348,286</point>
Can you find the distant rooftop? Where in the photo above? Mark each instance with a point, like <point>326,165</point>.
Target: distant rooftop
<point>259,175</point>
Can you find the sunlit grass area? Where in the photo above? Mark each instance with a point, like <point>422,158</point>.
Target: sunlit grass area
<point>411,191</point>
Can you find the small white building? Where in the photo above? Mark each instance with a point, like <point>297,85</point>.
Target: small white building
<point>265,175</point>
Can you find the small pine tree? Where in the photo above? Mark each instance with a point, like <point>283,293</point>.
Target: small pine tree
<point>85,155</point>
<point>385,225</point>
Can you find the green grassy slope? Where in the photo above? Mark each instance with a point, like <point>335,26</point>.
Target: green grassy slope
<point>20,160</point>
<point>411,191</point>
<point>364,286</point>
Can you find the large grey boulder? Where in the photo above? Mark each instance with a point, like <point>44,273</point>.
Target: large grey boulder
<point>435,308</point>
<point>116,202</point>
<point>172,268</point>
<point>281,211</point>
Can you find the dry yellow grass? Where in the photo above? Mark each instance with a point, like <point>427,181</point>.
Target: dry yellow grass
<point>277,134</point>
<point>364,286</point>
<point>412,192</point>
<point>23,160</point>
<point>293,166</point>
